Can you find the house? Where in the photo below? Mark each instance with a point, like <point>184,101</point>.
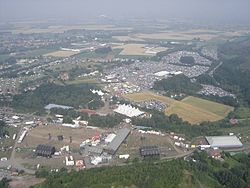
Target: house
<point>214,153</point>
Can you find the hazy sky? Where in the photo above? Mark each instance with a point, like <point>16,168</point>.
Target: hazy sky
<point>70,10</point>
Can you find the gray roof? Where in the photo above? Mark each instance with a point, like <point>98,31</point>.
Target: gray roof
<point>117,141</point>
<point>224,141</point>
<point>149,150</point>
<point>93,149</point>
<point>50,106</point>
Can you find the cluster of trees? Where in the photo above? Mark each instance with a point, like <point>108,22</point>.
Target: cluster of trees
<point>94,120</point>
<point>4,183</point>
<point>71,95</point>
<point>3,129</point>
<point>76,71</point>
<point>177,84</point>
<point>167,174</point>
<point>187,60</point>
<point>206,170</point>
<point>173,123</point>
<point>104,50</point>
<point>105,121</point>
<point>234,74</point>
<point>227,175</point>
<point>227,100</point>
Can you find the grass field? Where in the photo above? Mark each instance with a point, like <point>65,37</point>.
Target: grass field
<point>192,113</point>
<point>217,108</point>
<point>61,53</point>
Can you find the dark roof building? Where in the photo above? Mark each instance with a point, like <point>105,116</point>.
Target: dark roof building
<point>121,135</point>
<point>148,151</point>
<point>45,150</point>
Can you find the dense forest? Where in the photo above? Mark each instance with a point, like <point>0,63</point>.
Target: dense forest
<point>234,74</point>
<point>177,84</point>
<point>231,172</point>
<point>71,95</point>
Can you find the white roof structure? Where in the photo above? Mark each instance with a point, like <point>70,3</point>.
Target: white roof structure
<point>161,73</point>
<point>110,137</point>
<point>224,141</point>
<point>128,111</point>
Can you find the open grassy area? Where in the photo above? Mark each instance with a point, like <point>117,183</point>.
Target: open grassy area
<point>39,135</point>
<point>217,108</point>
<point>188,112</point>
<point>243,112</point>
<point>138,49</point>
<point>8,142</point>
<point>61,53</point>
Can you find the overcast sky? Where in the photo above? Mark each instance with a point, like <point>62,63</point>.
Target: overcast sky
<point>70,10</point>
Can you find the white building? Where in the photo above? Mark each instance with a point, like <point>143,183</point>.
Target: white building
<point>128,111</point>
<point>110,137</point>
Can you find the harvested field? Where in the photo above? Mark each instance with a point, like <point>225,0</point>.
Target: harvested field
<point>62,53</point>
<point>217,108</point>
<point>175,36</point>
<point>139,49</point>
<point>188,112</point>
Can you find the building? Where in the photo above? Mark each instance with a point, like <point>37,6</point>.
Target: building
<point>109,138</point>
<point>214,153</point>
<point>45,150</point>
<point>149,151</point>
<point>50,106</point>
<point>93,150</point>
<point>224,141</point>
<point>128,110</point>
<point>121,135</point>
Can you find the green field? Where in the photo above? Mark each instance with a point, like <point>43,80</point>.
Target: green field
<point>214,107</point>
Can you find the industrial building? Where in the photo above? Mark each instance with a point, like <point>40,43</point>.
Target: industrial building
<point>149,151</point>
<point>121,135</point>
<point>93,150</point>
<point>45,150</point>
<point>224,142</point>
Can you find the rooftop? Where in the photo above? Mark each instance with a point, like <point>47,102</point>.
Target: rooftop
<point>224,141</point>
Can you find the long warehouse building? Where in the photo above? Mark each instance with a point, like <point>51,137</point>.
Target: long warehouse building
<point>224,141</point>
<point>121,135</point>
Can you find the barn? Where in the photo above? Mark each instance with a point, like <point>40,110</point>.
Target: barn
<point>149,151</point>
<point>45,150</point>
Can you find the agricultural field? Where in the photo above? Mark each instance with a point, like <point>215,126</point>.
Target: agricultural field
<point>194,114</point>
<point>217,108</point>
<point>28,29</point>
<point>188,35</point>
<point>127,38</point>
<point>139,49</point>
<point>61,53</point>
